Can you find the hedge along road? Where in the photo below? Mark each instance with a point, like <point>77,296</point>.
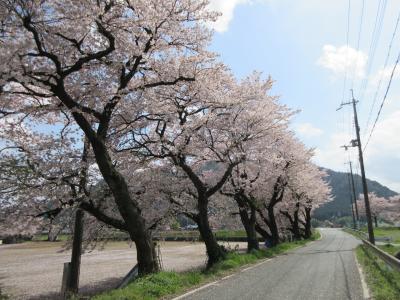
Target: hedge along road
<point>325,269</point>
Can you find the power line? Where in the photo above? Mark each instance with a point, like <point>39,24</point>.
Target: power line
<point>361,23</point>
<point>347,46</point>
<point>380,14</point>
<point>358,40</point>
<point>381,76</point>
<point>343,116</point>
<point>383,101</point>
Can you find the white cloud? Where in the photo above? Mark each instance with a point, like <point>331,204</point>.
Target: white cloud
<point>384,75</point>
<point>332,155</point>
<point>381,155</point>
<point>227,8</point>
<point>307,130</point>
<point>385,139</point>
<point>340,59</point>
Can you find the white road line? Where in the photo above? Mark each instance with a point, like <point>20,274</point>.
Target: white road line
<point>195,290</point>
<point>218,281</point>
<point>256,265</point>
<point>226,277</point>
<point>364,285</point>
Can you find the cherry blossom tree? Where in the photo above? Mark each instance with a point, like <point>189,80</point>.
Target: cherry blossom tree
<point>117,108</point>
<point>90,62</point>
<point>207,123</point>
<point>392,212</point>
<point>290,156</point>
<point>308,191</point>
<point>37,174</point>
<point>379,206</point>
<point>250,186</point>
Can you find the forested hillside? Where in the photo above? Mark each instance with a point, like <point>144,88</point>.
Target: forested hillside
<point>340,206</point>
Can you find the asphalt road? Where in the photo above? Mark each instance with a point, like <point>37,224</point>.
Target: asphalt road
<point>326,269</point>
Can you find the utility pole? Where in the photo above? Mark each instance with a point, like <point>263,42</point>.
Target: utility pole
<point>354,191</point>
<point>357,143</point>
<point>351,203</point>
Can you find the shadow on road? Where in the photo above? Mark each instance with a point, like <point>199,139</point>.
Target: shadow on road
<point>84,291</point>
<point>323,251</point>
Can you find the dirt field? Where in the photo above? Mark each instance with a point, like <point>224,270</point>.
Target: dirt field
<point>33,270</point>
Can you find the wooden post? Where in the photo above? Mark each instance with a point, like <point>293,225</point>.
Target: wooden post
<point>65,278</point>
<point>73,282</point>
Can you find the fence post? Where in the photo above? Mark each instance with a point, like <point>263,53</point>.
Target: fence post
<point>73,281</point>
<point>65,278</point>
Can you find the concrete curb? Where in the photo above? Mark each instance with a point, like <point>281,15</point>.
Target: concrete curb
<point>366,292</point>
<point>223,278</point>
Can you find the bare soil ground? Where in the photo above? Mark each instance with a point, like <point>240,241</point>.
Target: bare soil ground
<point>33,270</point>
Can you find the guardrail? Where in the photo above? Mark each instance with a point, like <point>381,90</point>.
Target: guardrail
<point>386,257</point>
<point>362,233</point>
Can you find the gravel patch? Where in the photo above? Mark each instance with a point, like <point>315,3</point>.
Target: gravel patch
<point>33,270</point>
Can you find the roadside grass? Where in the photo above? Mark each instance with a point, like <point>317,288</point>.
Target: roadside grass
<point>393,232</point>
<point>170,234</point>
<point>382,232</point>
<point>43,238</point>
<point>383,282</point>
<point>388,248</point>
<point>230,233</point>
<point>3,296</point>
<point>168,284</point>
<point>352,232</point>
<point>194,234</point>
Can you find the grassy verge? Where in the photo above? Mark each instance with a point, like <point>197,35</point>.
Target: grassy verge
<point>393,232</point>
<point>3,296</point>
<point>355,233</point>
<point>383,282</point>
<point>171,234</point>
<point>43,237</point>
<point>167,284</point>
<point>388,248</point>
<point>194,234</point>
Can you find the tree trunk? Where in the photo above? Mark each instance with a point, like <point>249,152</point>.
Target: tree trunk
<point>129,210</point>
<point>53,233</point>
<point>376,221</point>
<point>273,227</point>
<point>128,207</point>
<point>249,223</point>
<point>307,226</point>
<point>277,196</point>
<point>215,252</point>
<point>295,225</point>
<point>261,231</point>
<point>146,256</point>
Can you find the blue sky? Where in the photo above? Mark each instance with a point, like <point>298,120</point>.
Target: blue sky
<point>302,44</point>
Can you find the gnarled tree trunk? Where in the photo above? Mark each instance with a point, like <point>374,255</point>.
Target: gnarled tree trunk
<point>261,231</point>
<point>307,226</point>
<point>248,220</point>
<point>215,252</point>
<point>273,227</point>
<point>249,224</point>
<point>295,224</point>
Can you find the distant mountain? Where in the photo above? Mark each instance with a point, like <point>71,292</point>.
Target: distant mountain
<point>340,206</point>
